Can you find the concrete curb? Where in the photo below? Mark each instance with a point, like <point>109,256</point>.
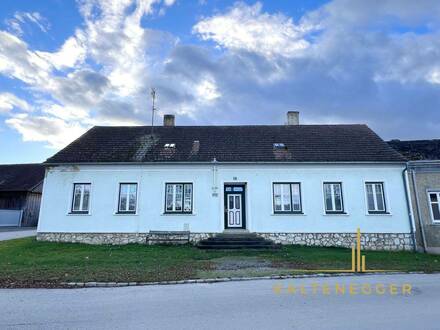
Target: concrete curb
<point>223,279</point>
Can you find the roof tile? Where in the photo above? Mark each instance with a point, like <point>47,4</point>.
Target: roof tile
<point>304,143</point>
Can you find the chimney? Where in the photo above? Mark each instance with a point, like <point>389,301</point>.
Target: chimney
<point>168,120</point>
<point>292,117</point>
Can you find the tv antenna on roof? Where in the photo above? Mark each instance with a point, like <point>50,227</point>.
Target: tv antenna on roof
<point>153,108</point>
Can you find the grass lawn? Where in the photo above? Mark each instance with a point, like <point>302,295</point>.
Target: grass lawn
<point>28,263</point>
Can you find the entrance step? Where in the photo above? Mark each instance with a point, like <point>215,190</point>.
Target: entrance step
<point>237,241</point>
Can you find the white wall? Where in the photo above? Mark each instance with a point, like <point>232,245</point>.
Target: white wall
<point>208,210</point>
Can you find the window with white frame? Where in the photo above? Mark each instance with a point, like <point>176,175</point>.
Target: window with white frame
<point>178,197</point>
<point>127,198</point>
<point>333,199</point>
<point>287,197</point>
<point>434,200</point>
<point>81,198</point>
<point>375,197</point>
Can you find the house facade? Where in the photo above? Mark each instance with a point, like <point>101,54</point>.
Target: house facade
<point>293,184</point>
<point>424,181</point>
<point>20,194</point>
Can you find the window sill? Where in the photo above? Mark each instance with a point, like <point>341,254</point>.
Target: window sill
<point>178,214</point>
<point>78,213</point>
<point>379,213</point>
<point>337,213</point>
<point>288,214</point>
<point>125,213</point>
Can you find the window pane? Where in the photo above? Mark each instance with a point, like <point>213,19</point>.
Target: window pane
<point>286,197</point>
<point>132,197</point>
<point>296,199</point>
<point>370,197</point>
<point>123,188</point>
<point>277,197</point>
<point>133,188</point>
<point>231,202</point>
<point>380,197</point>
<point>123,203</point>
<point>86,197</point>
<point>433,197</point>
<point>435,211</point>
<point>77,197</point>
<point>132,203</point>
<point>338,197</point>
<point>328,197</point>
<point>169,197</point>
<point>187,198</point>
<point>237,202</point>
<point>179,195</point>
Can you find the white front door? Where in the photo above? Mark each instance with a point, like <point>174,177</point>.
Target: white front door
<point>234,210</point>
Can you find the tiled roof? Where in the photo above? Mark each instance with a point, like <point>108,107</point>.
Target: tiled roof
<point>304,143</point>
<point>21,177</point>
<point>418,149</point>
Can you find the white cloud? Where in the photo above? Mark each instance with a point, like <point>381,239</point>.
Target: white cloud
<point>9,101</point>
<point>207,90</point>
<point>46,129</point>
<point>16,23</point>
<point>71,53</point>
<point>114,40</point>
<point>247,27</point>
<point>117,41</point>
<point>434,76</point>
<point>17,61</point>
<point>169,2</point>
<point>66,113</point>
<point>343,60</point>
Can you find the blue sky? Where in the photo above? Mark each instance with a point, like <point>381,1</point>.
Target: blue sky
<point>66,66</point>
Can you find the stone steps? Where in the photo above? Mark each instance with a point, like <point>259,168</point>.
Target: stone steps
<point>236,241</point>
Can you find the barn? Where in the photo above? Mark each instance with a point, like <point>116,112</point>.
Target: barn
<point>20,194</point>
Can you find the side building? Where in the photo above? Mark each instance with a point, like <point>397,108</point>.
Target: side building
<point>20,194</point>
<point>424,179</point>
<point>424,187</point>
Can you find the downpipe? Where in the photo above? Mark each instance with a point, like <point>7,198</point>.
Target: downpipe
<point>419,213</point>
<point>410,208</point>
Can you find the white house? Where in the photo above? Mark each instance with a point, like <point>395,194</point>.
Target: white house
<point>293,184</point>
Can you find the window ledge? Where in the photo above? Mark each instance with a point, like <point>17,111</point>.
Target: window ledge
<point>336,214</point>
<point>78,213</point>
<point>125,213</point>
<point>379,214</point>
<point>288,214</point>
<point>178,214</point>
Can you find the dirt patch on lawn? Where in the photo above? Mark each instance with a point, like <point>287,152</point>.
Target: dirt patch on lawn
<point>237,263</point>
<point>249,267</point>
<point>239,267</point>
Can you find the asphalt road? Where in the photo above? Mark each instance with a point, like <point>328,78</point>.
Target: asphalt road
<point>13,233</point>
<point>230,305</point>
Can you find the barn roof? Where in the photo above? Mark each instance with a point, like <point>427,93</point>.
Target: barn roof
<point>21,177</point>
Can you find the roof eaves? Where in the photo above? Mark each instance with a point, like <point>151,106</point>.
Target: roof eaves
<point>231,162</point>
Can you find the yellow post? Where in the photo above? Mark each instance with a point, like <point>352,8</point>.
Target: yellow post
<point>363,263</point>
<point>358,249</point>
<point>353,258</point>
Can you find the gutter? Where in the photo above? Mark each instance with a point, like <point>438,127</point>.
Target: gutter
<point>419,213</point>
<point>409,208</point>
<point>225,163</point>
<point>418,163</point>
